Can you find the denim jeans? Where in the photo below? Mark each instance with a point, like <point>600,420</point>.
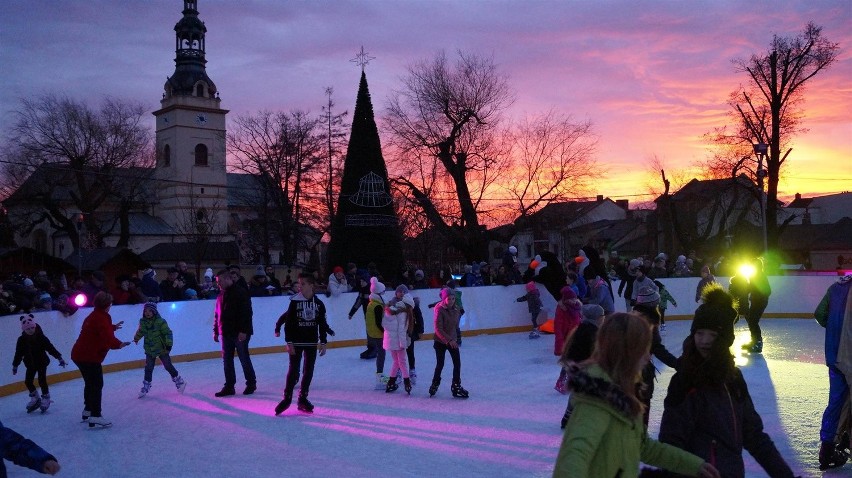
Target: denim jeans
<point>380,353</point>
<point>150,361</point>
<point>229,344</point>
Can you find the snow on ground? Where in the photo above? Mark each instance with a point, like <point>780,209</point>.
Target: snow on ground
<point>508,428</point>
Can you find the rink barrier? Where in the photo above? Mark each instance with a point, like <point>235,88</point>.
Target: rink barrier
<point>488,310</point>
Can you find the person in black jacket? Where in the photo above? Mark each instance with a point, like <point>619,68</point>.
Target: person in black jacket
<point>306,333</point>
<point>759,293</point>
<point>32,348</point>
<point>648,309</point>
<point>708,409</point>
<point>233,322</point>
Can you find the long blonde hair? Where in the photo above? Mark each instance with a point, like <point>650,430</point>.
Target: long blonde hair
<point>623,341</point>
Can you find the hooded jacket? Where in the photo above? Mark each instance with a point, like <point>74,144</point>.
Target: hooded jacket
<point>33,350</point>
<point>305,321</point>
<point>603,439</point>
<point>396,324</point>
<point>157,334</point>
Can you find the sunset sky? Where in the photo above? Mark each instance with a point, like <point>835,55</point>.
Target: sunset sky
<point>653,76</point>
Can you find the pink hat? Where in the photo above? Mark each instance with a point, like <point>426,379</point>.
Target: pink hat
<point>531,286</point>
<point>567,293</point>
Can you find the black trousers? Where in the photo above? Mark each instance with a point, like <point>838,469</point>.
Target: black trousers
<point>755,312</point>
<point>310,353</point>
<point>29,376</point>
<point>441,350</point>
<point>93,380</point>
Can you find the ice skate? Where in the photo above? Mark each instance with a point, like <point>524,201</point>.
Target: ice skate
<point>381,381</point>
<point>412,374</point>
<point>284,404</point>
<point>391,385</point>
<point>754,348</point>
<point>458,391</point>
<point>830,456</point>
<point>407,385</point>
<point>304,405</point>
<point>45,402</point>
<point>34,402</point>
<point>534,334</point>
<point>433,389</point>
<point>146,387</point>
<point>99,422</point>
<point>85,417</point>
<point>180,383</point>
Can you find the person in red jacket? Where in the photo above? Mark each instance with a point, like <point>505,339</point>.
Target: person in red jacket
<point>97,337</point>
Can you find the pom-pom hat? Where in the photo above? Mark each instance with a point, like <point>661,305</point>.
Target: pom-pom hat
<point>647,295</point>
<point>152,306</point>
<point>28,323</point>
<point>376,287</point>
<point>717,313</point>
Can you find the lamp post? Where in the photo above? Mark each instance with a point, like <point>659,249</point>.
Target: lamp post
<point>760,150</point>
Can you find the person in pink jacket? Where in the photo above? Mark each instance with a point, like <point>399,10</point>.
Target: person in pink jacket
<point>567,319</point>
<point>397,324</point>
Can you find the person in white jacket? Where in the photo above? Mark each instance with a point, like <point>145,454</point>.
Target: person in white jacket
<point>398,322</point>
<point>337,283</point>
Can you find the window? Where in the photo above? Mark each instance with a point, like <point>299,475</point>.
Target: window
<point>529,250</point>
<point>199,90</point>
<point>200,155</point>
<point>167,155</point>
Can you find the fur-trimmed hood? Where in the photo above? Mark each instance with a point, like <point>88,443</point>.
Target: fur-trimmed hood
<point>594,383</point>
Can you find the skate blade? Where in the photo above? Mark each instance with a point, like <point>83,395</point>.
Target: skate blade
<point>93,426</point>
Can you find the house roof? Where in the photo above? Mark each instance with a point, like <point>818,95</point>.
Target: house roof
<point>60,181</point>
<point>244,190</point>
<point>187,251</point>
<point>95,259</point>
<point>559,213</point>
<point>800,202</point>
<point>709,188</point>
<point>817,237</point>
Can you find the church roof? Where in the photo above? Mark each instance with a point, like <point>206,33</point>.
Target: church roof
<point>184,251</point>
<point>243,190</point>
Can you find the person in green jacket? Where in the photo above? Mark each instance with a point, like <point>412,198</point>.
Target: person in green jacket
<point>158,343</point>
<point>605,436</point>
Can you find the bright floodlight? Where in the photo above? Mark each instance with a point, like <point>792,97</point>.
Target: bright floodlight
<point>80,300</point>
<point>747,271</point>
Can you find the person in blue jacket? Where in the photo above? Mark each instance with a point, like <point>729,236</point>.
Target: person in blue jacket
<point>24,452</point>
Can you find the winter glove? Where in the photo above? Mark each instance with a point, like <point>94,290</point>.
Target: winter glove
<point>330,331</point>
<point>62,363</point>
<point>14,370</point>
<point>216,337</point>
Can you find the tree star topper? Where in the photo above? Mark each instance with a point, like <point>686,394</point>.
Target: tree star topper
<point>362,58</point>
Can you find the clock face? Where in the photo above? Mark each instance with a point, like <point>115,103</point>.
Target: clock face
<point>201,119</point>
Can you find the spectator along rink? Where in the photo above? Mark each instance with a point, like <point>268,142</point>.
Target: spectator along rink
<point>508,427</point>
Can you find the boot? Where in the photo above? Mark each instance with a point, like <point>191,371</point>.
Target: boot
<point>433,389</point>
<point>304,405</point>
<point>85,416</point>
<point>830,456</point>
<point>284,404</point>
<point>34,402</point>
<point>146,387</point>
<point>45,402</point>
<point>99,421</point>
<point>407,382</point>
<point>458,391</point>
<point>756,348</point>
<point>180,383</point>
<point>391,386</point>
<point>226,391</point>
<point>413,375</point>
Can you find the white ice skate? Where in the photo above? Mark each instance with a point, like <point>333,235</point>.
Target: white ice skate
<point>34,402</point>
<point>146,387</point>
<point>45,402</point>
<point>180,383</point>
<point>99,422</point>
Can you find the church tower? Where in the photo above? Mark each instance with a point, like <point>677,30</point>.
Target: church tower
<point>190,138</point>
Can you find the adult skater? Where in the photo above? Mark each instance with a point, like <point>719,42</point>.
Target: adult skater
<point>759,293</point>
<point>233,322</point>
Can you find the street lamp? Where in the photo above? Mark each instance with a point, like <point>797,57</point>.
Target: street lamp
<point>760,150</point>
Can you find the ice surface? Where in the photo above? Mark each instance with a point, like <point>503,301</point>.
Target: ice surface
<point>508,428</point>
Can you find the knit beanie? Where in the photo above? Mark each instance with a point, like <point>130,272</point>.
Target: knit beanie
<point>28,323</point>
<point>152,306</point>
<point>531,286</point>
<point>208,273</point>
<point>445,292</point>
<point>591,312</point>
<point>376,287</point>
<point>647,295</point>
<point>402,288</point>
<point>717,313</point>
<point>567,293</point>
<point>259,271</point>
<point>419,275</point>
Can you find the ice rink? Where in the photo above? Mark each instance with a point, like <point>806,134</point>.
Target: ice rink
<point>509,427</point>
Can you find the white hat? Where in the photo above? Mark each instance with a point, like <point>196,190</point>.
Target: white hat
<point>208,273</point>
<point>376,287</point>
<point>513,250</point>
<point>408,300</point>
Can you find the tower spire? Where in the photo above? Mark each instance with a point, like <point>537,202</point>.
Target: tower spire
<point>190,76</point>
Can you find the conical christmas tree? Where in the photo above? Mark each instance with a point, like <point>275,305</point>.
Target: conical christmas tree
<point>365,228</point>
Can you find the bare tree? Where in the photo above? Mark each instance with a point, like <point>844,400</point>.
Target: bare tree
<point>280,150</point>
<point>551,159</point>
<point>768,110</point>
<point>443,123</point>
<point>334,144</point>
<point>68,158</point>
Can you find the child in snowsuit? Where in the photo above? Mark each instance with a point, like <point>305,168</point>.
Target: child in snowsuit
<point>534,305</point>
<point>306,333</point>
<point>665,298</point>
<point>158,344</point>
<point>32,348</point>
<point>397,324</point>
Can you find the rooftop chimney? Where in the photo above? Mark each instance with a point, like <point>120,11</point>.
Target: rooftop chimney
<point>600,198</point>
<point>623,203</point>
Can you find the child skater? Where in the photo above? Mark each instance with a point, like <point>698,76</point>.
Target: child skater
<point>32,348</point>
<point>566,320</point>
<point>306,333</point>
<point>708,410</point>
<point>534,305</point>
<point>397,324</point>
<point>579,345</point>
<point>665,298</point>
<point>446,340</point>
<point>605,436</point>
<point>158,343</point>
